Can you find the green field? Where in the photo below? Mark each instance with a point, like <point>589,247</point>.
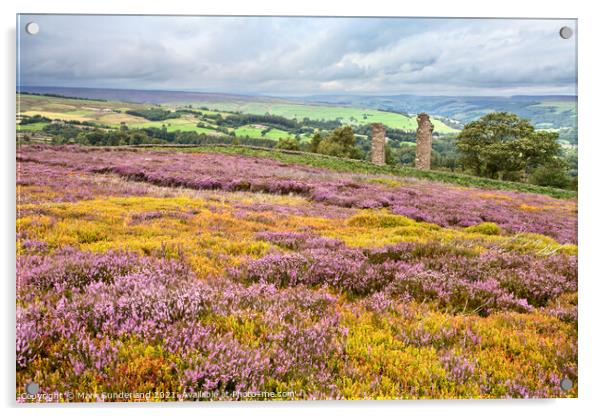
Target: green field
<point>114,113</point>
<point>348,115</point>
<point>174,124</point>
<point>100,112</point>
<point>255,133</point>
<point>104,113</point>
<point>32,127</point>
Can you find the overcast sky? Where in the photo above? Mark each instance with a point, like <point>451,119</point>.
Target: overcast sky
<point>300,56</point>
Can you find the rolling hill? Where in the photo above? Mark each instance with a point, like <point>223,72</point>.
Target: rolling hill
<point>555,112</point>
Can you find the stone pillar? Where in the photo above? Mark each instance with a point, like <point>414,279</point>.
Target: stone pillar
<point>378,144</point>
<point>424,142</point>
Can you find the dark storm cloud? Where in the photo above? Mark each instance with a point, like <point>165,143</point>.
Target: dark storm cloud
<point>300,55</point>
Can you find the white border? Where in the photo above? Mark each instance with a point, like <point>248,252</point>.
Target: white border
<point>590,218</point>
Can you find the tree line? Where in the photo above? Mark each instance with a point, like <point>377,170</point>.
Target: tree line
<point>154,114</point>
<point>60,96</point>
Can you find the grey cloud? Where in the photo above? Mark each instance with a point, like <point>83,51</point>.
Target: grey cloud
<point>300,55</point>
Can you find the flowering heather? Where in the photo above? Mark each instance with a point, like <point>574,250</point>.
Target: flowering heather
<point>424,201</point>
<point>481,282</point>
<point>220,274</point>
<point>128,299</point>
<point>47,182</point>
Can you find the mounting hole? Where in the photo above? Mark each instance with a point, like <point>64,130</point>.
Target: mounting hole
<point>566,32</point>
<point>32,388</point>
<point>566,384</point>
<point>32,28</point>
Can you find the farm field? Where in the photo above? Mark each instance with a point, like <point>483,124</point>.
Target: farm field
<point>224,270</point>
<point>102,112</point>
<point>560,111</point>
<point>176,124</point>
<point>255,132</point>
<point>349,115</point>
<point>32,126</point>
<point>77,109</point>
<point>199,117</point>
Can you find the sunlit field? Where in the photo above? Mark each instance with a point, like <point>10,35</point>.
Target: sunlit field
<point>112,114</point>
<point>346,114</point>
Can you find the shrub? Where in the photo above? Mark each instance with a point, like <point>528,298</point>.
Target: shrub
<point>552,175</point>
<point>487,228</point>
<point>288,143</point>
<point>380,221</point>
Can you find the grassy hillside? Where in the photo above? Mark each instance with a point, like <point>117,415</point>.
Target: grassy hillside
<point>107,113</point>
<point>77,109</point>
<point>255,132</point>
<point>348,115</point>
<point>113,113</point>
<point>185,123</point>
<point>357,166</point>
<point>543,111</point>
<point>201,120</point>
<point>555,112</point>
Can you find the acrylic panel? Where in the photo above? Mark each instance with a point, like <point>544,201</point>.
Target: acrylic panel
<point>295,208</point>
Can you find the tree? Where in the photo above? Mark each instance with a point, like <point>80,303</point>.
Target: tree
<point>288,143</point>
<point>406,154</point>
<point>95,138</point>
<point>137,138</point>
<point>315,143</point>
<point>553,174</point>
<point>163,132</point>
<point>340,143</point>
<point>389,156</point>
<point>505,146</point>
<point>539,148</point>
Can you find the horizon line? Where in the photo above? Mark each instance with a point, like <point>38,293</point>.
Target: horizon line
<point>269,95</point>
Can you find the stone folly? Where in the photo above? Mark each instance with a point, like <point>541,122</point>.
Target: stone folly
<point>424,141</point>
<point>378,144</point>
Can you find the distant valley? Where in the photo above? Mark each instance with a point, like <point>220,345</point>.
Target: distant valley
<point>545,112</point>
